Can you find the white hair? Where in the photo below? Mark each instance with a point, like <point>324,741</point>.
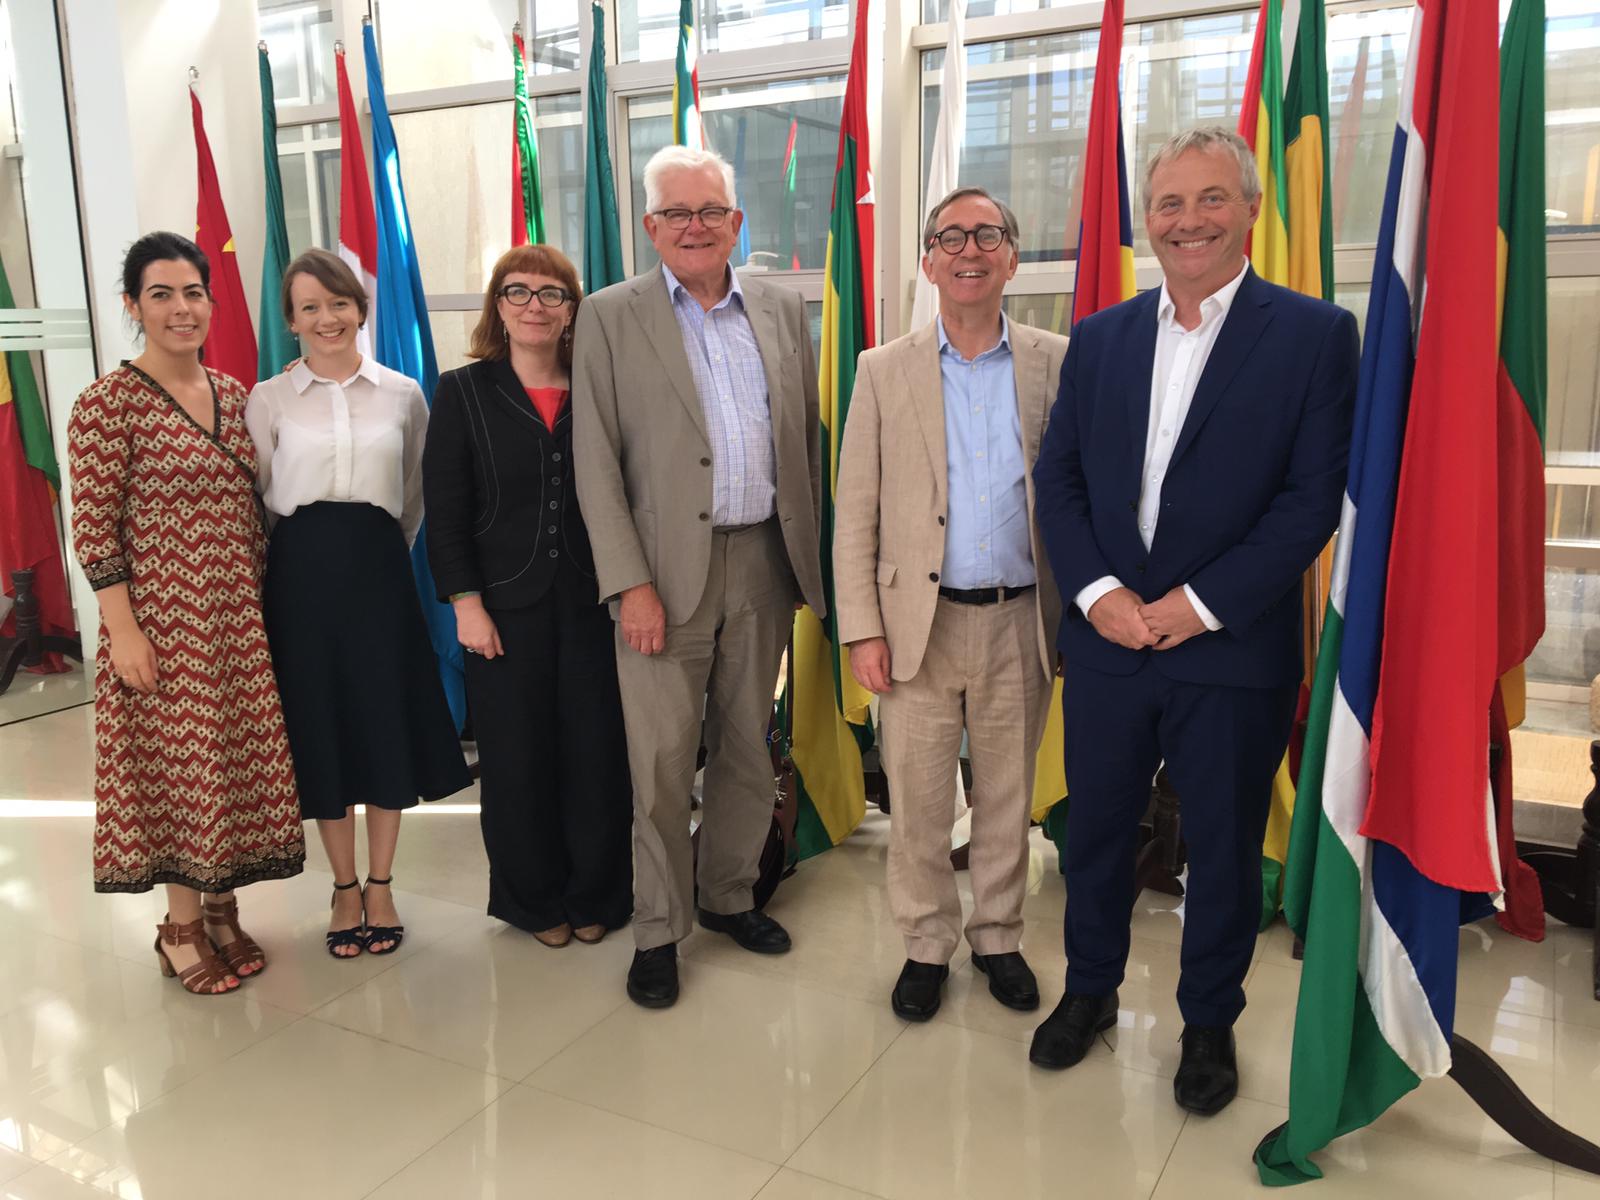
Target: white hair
<point>682,158</point>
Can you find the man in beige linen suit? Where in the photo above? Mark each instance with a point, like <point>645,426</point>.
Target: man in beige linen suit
<point>945,598</point>
<point>698,469</point>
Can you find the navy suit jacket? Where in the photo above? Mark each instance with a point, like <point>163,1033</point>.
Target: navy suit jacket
<point>1252,496</point>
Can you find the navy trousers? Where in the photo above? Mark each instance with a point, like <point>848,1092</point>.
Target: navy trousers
<point>1221,746</point>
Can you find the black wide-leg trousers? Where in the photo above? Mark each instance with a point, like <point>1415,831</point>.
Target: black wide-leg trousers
<point>557,799</point>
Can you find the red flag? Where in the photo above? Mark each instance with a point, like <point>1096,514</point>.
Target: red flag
<point>231,345</point>
<point>358,221</point>
<point>1105,234</point>
<point>28,529</point>
<point>1441,618</point>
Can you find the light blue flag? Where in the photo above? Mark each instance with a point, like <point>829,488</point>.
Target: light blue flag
<point>403,342</point>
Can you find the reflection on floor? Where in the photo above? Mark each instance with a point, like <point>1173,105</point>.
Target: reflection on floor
<point>33,695</point>
<point>476,1063</point>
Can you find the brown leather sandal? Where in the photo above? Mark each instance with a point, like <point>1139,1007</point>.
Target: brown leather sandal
<point>241,950</point>
<point>203,976</point>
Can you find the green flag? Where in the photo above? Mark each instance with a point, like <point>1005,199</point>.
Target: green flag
<point>277,346</point>
<point>36,447</point>
<point>527,202</point>
<point>602,234</point>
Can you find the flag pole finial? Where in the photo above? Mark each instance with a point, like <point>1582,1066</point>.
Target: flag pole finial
<point>262,45</point>
<point>338,46</point>
<point>516,29</point>
<point>366,20</point>
<point>194,75</point>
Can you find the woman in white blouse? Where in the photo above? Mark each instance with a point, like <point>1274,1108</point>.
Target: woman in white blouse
<point>339,443</point>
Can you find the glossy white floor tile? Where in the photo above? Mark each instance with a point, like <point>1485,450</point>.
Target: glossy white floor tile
<point>532,1143</point>
<point>476,1063</point>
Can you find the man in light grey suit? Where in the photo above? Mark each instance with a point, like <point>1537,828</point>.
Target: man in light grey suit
<point>945,598</point>
<point>694,417</point>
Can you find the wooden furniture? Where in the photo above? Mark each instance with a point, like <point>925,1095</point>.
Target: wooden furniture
<point>30,644</point>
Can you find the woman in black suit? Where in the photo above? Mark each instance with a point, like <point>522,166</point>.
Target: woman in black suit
<point>509,551</point>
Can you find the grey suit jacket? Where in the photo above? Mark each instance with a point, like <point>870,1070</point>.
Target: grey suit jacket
<point>643,458</point>
<point>893,492</point>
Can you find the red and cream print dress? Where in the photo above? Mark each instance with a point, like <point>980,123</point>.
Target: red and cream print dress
<point>193,784</point>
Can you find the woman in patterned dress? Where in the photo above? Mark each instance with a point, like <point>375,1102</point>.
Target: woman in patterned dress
<point>194,785</point>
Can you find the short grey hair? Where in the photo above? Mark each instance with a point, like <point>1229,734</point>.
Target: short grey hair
<point>683,158</point>
<point>1207,138</point>
<point>1007,217</point>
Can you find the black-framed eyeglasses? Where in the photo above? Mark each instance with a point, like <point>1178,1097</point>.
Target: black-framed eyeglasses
<point>518,294</point>
<point>952,239</point>
<point>711,216</point>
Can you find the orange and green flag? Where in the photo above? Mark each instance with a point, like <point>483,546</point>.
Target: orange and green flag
<point>832,724</point>
<point>1261,125</point>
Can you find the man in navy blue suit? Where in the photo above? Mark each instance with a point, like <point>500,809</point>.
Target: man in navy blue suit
<point>1193,468</point>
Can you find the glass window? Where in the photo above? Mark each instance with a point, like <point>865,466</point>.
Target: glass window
<point>554,43</point>
<point>299,36</point>
<point>308,161</point>
<point>457,167</point>
<point>1027,126</point>
<point>1572,424</point>
<point>427,44</point>
<point>749,124</point>
<point>1569,652</point>
<point>751,24</point>
<point>1366,62</point>
<point>647,30</point>
<point>1572,116</point>
<point>1051,311</point>
<point>939,10</point>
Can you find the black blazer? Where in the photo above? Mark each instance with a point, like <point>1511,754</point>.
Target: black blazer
<point>497,485</point>
<point>1252,494</point>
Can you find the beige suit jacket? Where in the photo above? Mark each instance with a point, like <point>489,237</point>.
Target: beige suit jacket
<point>892,496</point>
<point>643,458</point>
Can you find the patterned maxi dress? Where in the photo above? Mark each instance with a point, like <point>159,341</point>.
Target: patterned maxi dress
<point>194,784</point>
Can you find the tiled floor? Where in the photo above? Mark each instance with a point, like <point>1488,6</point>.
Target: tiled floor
<point>476,1063</point>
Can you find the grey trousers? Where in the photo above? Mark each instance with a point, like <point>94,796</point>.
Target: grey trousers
<point>724,662</point>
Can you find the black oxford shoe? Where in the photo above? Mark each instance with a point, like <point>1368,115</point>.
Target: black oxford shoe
<point>916,993</point>
<point>1068,1032</point>
<point>752,929</point>
<point>653,977</point>
<point>1208,1074</point>
<point>1011,980</point>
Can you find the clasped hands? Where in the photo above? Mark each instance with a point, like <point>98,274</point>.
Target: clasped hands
<point>1120,616</point>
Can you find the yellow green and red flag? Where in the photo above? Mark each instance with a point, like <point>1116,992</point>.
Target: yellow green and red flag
<point>1261,125</point>
<point>832,725</point>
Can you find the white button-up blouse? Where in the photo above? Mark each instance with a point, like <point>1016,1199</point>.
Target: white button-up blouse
<point>357,441</point>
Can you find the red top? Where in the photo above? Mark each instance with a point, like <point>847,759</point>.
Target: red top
<point>548,403</point>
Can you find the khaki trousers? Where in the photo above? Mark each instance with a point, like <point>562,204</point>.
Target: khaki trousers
<point>722,662</point>
<point>981,673</point>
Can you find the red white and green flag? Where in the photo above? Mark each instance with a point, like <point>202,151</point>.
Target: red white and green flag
<point>830,709</point>
<point>687,129</point>
<point>527,202</point>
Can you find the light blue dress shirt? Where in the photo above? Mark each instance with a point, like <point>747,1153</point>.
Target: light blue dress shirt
<point>986,539</point>
<point>726,363</point>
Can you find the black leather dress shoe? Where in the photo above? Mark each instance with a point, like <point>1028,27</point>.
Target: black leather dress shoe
<point>916,993</point>
<point>653,977</point>
<point>1011,980</point>
<point>1068,1032</point>
<point>752,929</point>
<point>1208,1074</point>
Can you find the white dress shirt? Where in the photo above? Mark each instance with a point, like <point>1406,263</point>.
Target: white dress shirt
<point>1181,356</point>
<point>357,441</point>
